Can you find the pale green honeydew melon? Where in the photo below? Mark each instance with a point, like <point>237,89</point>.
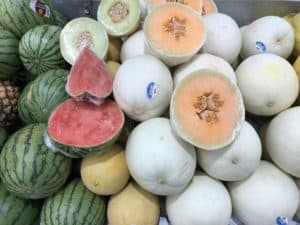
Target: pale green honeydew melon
<point>265,197</point>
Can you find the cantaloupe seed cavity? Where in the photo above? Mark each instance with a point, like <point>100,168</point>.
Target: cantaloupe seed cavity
<point>176,27</point>
<point>84,39</point>
<point>207,107</point>
<point>118,12</point>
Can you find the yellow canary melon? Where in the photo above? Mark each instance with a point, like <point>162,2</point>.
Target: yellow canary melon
<point>106,173</point>
<point>297,69</point>
<point>294,20</point>
<point>112,67</point>
<point>114,49</point>
<point>133,205</point>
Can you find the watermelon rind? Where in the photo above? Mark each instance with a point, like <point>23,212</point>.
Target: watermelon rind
<point>40,97</point>
<point>19,16</point>
<point>39,49</point>
<point>17,211</point>
<point>28,169</point>
<point>74,205</point>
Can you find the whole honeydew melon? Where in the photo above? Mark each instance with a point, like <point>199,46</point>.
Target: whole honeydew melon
<point>133,46</point>
<point>204,61</point>
<point>267,197</point>
<point>158,160</point>
<point>268,34</point>
<point>224,38</point>
<point>268,84</point>
<point>282,140</point>
<point>236,161</point>
<point>143,87</point>
<point>205,201</point>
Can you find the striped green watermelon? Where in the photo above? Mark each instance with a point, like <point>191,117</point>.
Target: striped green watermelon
<point>3,136</point>
<point>74,205</point>
<point>9,54</point>
<point>60,19</point>
<point>17,211</point>
<point>28,168</point>
<point>18,16</point>
<point>39,49</point>
<point>40,97</point>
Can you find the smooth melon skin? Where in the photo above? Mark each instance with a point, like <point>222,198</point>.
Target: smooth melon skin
<point>236,161</point>
<point>224,38</point>
<point>158,160</point>
<point>204,201</point>
<point>268,34</point>
<point>204,61</point>
<point>107,173</point>
<point>207,110</point>
<point>133,205</point>
<point>268,84</point>
<point>265,196</point>
<point>143,87</point>
<point>174,33</point>
<point>80,33</point>
<point>133,46</point>
<point>282,140</point>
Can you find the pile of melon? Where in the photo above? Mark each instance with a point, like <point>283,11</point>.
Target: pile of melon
<point>155,112</point>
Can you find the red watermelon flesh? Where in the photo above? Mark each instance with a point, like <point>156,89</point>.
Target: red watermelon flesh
<point>89,78</point>
<point>83,124</point>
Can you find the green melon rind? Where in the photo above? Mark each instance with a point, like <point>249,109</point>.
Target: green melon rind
<point>28,169</point>
<point>80,25</point>
<point>60,19</point>
<point>74,205</point>
<point>17,211</point>
<point>40,51</point>
<point>3,137</point>
<point>40,97</point>
<point>76,152</point>
<point>125,27</point>
<point>178,128</point>
<point>10,62</point>
<point>18,17</point>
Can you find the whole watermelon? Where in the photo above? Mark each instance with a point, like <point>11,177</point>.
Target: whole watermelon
<point>17,211</point>
<point>39,49</point>
<point>41,96</point>
<point>3,136</point>
<point>9,54</point>
<point>28,168</point>
<point>18,16</point>
<point>74,205</point>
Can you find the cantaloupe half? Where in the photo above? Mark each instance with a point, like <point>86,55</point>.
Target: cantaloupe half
<point>174,32</point>
<point>207,110</point>
<point>194,4</point>
<point>209,6</point>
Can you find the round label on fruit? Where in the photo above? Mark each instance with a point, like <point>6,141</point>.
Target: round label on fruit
<point>260,46</point>
<point>282,220</point>
<point>152,90</point>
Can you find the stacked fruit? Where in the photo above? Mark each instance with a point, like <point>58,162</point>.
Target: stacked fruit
<point>151,110</point>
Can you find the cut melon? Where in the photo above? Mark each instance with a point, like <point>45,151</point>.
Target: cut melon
<point>80,33</point>
<point>107,173</point>
<point>194,4</point>
<point>89,79</point>
<point>119,17</point>
<point>85,126</point>
<point>174,32</point>
<point>207,110</point>
<point>204,61</point>
<point>209,6</point>
<point>133,206</point>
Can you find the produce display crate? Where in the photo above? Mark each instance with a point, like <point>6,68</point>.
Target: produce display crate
<point>242,11</point>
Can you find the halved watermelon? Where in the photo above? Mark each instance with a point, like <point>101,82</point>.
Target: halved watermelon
<point>77,128</point>
<point>89,79</point>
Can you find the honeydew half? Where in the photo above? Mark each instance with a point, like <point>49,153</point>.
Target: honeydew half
<point>207,110</point>
<point>119,17</point>
<point>80,33</point>
<point>174,32</point>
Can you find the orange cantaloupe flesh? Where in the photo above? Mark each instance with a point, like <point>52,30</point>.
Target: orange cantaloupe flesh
<point>199,130</point>
<point>194,33</point>
<point>195,4</point>
<point>208,7</point>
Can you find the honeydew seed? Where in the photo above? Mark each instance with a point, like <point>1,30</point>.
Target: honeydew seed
<point>119,17</point>
<point>80,33</point>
